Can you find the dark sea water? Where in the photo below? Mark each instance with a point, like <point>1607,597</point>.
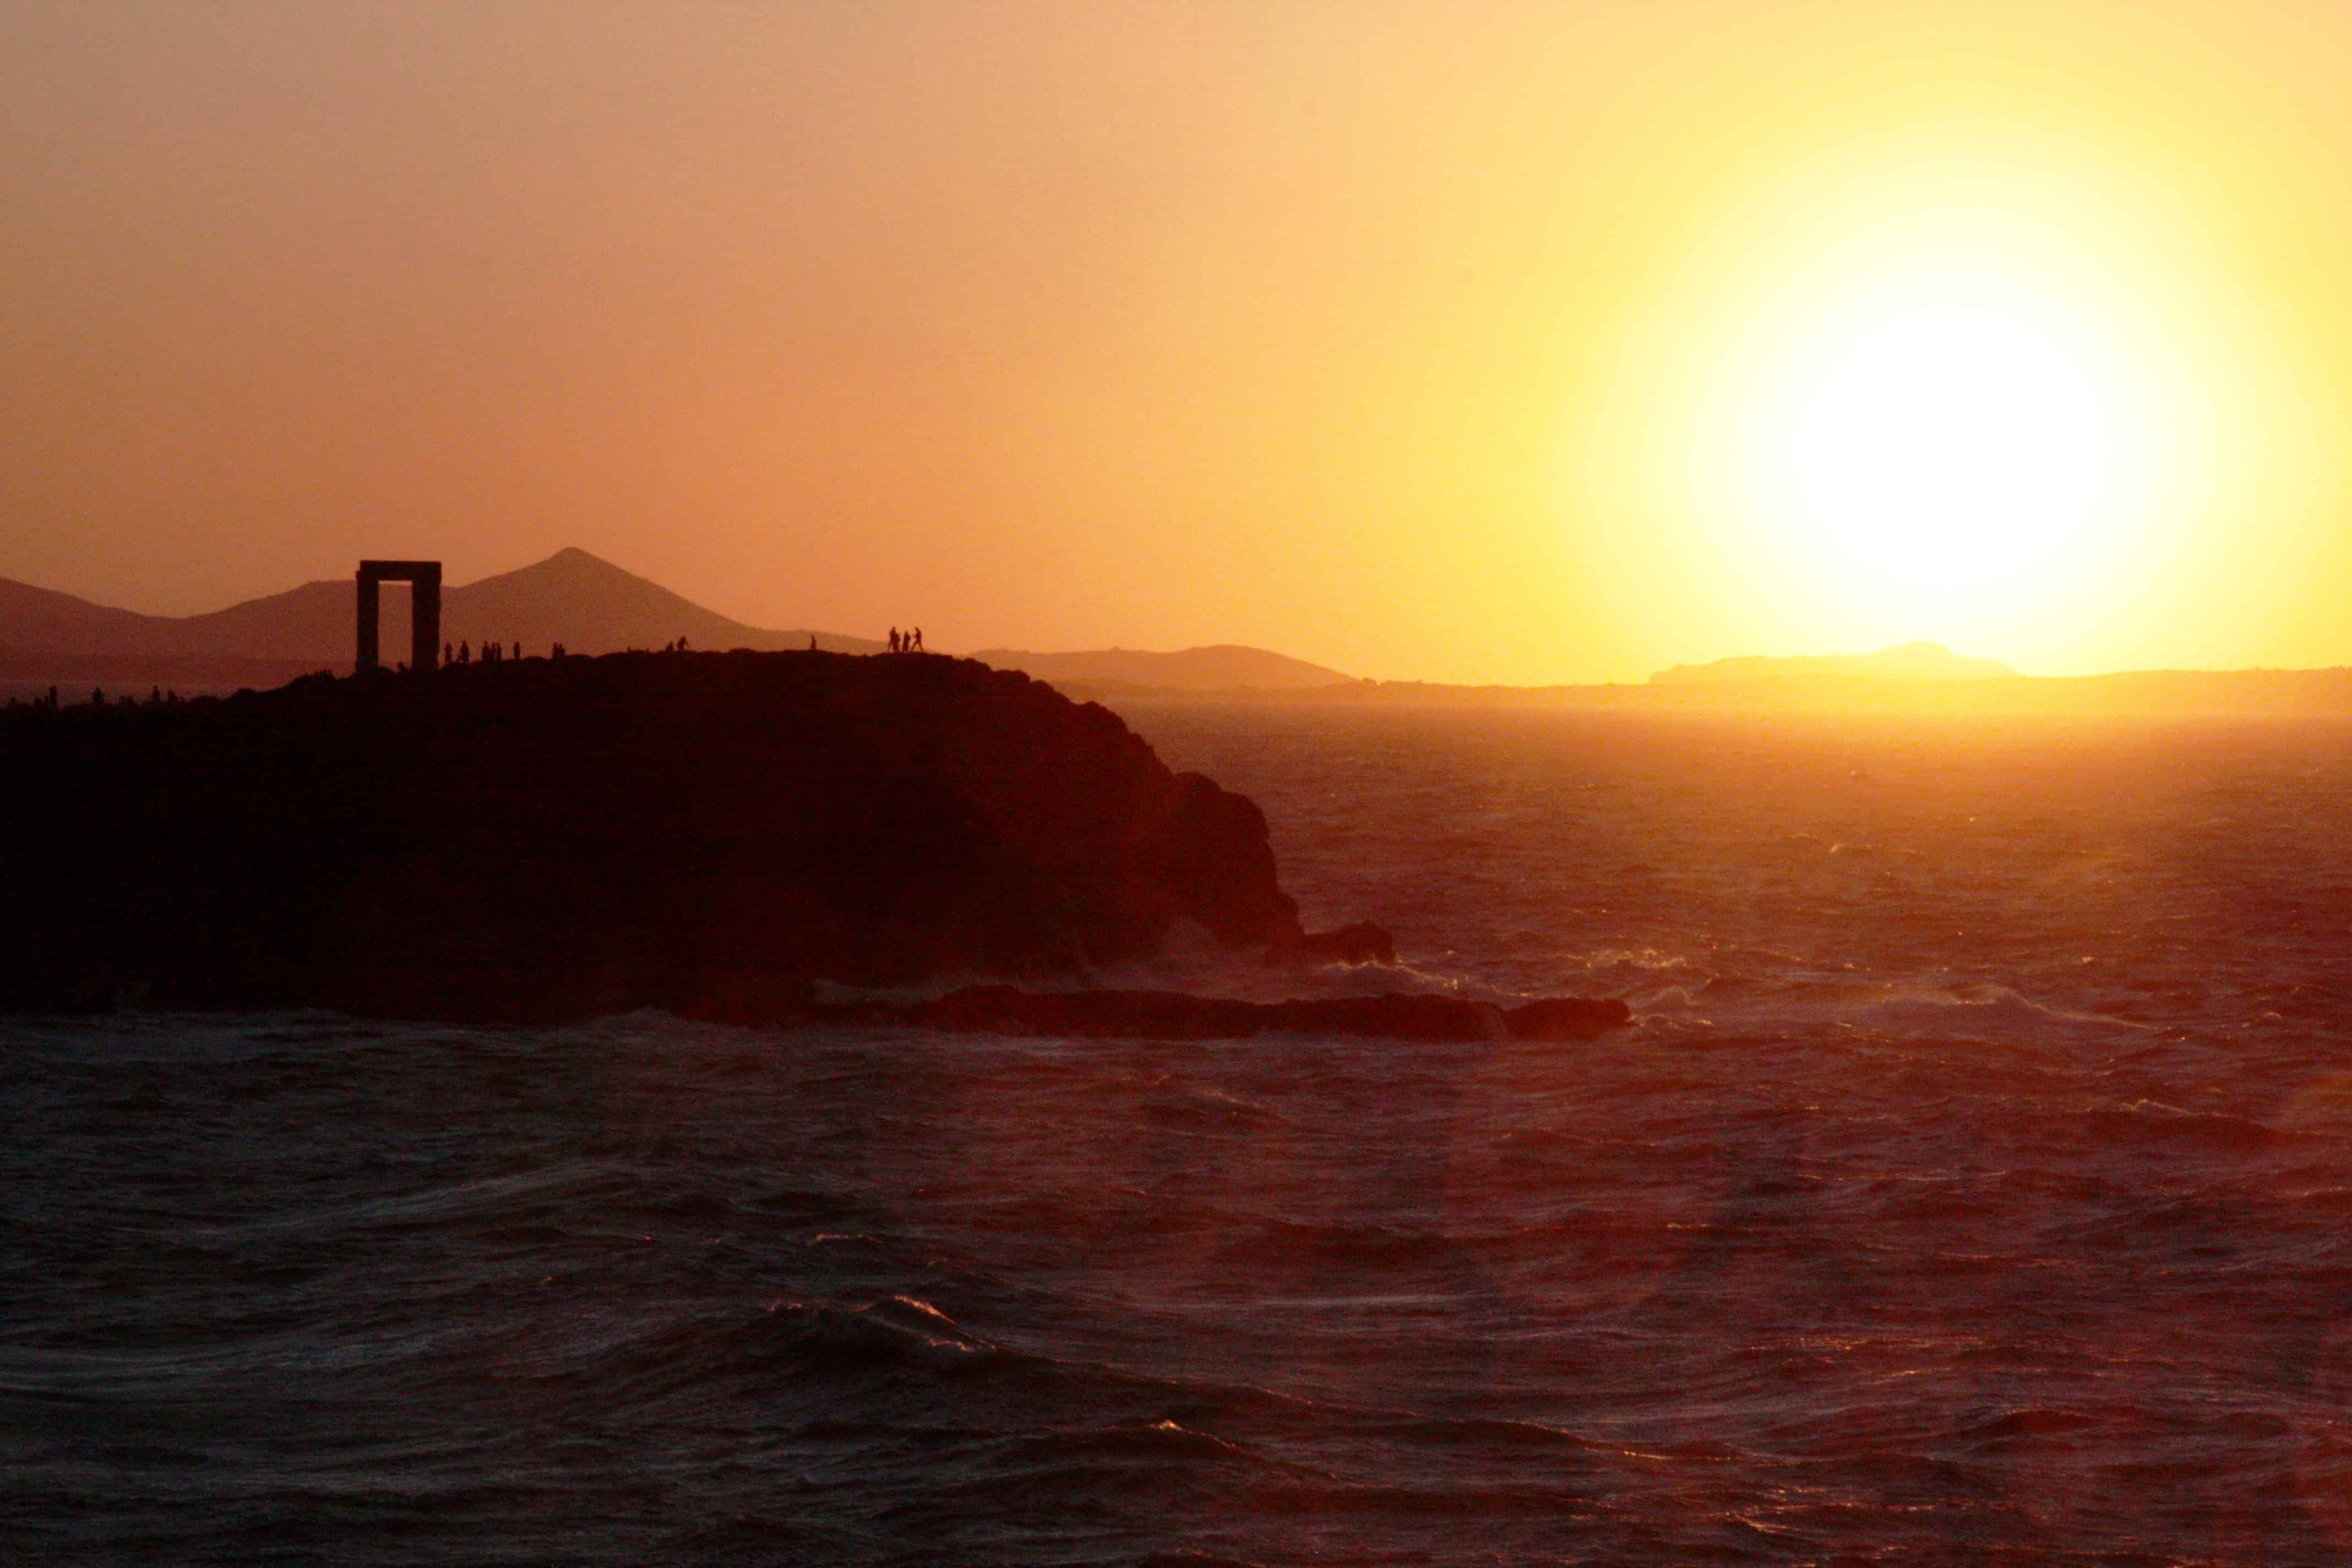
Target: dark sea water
<point>1975,1188</point>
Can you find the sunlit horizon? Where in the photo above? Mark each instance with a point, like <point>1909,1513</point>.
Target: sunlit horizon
<point>1506,346</point>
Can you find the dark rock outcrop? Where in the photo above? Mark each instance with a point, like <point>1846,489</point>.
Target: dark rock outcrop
<point>547,839</point>
<point>1174,1016</point>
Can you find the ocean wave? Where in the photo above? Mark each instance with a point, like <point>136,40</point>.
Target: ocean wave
<point>1892,1008</point>
<point>1899,1228</point>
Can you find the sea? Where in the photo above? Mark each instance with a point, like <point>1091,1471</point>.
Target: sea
<point>1974,1185</point>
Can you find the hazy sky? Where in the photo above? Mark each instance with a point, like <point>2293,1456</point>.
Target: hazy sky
<point>1450,341</point>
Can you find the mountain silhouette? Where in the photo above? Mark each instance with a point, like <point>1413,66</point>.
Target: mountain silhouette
<point>591,606</point>
<point>42,620</point>
<point>587,604</point>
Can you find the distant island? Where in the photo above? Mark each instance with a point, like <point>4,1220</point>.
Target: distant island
<point>1907,661</point>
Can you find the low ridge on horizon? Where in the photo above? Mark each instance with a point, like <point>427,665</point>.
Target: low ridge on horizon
<point>592,605</point>
<point>1904,661</point>
<point>1217,667</point>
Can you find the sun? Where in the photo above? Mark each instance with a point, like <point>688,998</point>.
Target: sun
<point>1948,445</point>
<point>1966,401</point>
<point>1948,440</point>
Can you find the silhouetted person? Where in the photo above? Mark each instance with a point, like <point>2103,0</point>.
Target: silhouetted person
<point>445,658</point>
<point>812,642</point>
<point>919,639</point>
<point>894,640</point>
<point>465,653</point>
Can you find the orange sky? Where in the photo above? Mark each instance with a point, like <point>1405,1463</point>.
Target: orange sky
<point>1426,340</point>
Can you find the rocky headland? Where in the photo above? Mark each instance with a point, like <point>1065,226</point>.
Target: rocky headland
<point>549,840</point>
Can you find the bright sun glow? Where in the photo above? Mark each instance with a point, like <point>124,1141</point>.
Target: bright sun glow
<point>1963,435</point>
<point>1962,391</point>
<point>1945,444</point>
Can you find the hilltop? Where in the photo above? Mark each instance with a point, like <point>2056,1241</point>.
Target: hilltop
<point>553,838</point>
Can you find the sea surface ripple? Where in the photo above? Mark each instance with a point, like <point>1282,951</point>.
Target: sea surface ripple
<point>1975,1187</point>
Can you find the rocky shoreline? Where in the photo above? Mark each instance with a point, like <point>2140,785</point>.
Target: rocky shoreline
<point>543,840</point>
<point>1179,1016</point>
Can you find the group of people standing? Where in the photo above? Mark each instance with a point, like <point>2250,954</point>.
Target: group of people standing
<point>49,704</point>
<point>500,652</point>
<point>492,652</point>
<point>908,641</point>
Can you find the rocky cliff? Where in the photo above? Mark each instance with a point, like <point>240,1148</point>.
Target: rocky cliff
<point>546,840</point>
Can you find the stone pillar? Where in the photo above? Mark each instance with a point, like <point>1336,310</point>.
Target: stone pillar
<point>425,618</point>
<point>368,596</point>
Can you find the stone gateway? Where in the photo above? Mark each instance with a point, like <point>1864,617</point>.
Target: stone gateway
<point>425,611</point>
